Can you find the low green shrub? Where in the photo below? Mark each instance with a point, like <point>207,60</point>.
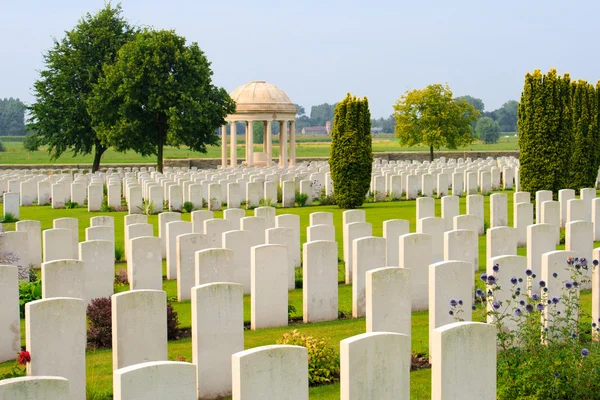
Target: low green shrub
<point>188,206</point>
<point>323,359</point>
<point>9,218</point>
<point>301,199</point>
<point>28,291</point>
<point>119,253</point>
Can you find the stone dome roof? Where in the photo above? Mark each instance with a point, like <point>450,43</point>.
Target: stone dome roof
<point>260,97</point>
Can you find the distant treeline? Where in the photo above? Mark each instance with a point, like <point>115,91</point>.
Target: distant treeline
<point>12,118</point>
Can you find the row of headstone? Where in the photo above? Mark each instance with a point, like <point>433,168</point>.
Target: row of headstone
<point>220,366</point>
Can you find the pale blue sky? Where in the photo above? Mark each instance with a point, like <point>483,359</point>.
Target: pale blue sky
<point>317,51</point>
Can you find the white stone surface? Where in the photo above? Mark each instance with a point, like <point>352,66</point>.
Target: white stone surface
<point>56,339</point>
<point>139,327</point>
<point>155,380</point>
<point>498,210</point>
<point>217,333</point>
<point>320,281</point>
<point>277,372</point>
<point>35,388</point>
<point>186,247</point>
<point>98,268</point>
<point>384,352</point>
<point>392,230</point>
<point>456,349</point>
<point>241,243</point>
<point>540,197</point>
<point>213,265</point>
<point>291,221</point>
<point>425,207</point>
<point>163,219</point>
<point>34,240</point>
<point>320,218</point>
<point>579,238</point>
<point>198,217</point>
<point>551,215</point>
<point>462,245</point>
<point>144,264</point>
<point>435,227</point>
<point>475,207</point>
<point>269,298</point>
<point>72,224</point>
<point>540,240</point>
<point>564,195</point>
<point>501,241</point>
<point>63,278</point>
<point>523,217</point>
<point>367,253</point>
<point>450,209</point>
<point>320,232</point>
<point>10,327</point>
<point>174,229</point>
<point>415,255</point>
<point>388,306</point>
<point>449,280</point>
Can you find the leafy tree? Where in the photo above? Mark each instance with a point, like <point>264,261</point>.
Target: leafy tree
<point>258,132</point>
<point>159,92</point>
<point>12,117</point>
<point>61,115</point>
<point>506,116</point>
<point>431,116</point>
<point>322,113</point>
<point>299,110</point>
<point>351,155</point>
<point>475,102</point>
<point>487,130</point>
<point>30,143</point>
<point>545,132</point>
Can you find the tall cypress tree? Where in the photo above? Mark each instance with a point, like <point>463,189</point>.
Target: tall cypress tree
<point>351,157</point>
<point>544,131</point>
<point>584,156</point>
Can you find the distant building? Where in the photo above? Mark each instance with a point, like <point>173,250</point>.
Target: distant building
<point>315,130</point>
<point>376,130</point>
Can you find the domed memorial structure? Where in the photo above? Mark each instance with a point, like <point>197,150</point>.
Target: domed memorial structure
<point>264,102</point>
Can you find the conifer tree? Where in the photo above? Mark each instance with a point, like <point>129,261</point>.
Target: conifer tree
<point>351,157</point>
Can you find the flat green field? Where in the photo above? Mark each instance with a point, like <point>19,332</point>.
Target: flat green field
<point>305,147</point>
<point>99,362</point>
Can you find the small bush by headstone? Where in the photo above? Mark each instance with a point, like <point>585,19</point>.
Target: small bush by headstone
<point>323,360</point>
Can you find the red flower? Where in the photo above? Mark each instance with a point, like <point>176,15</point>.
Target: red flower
<point>24,357</point>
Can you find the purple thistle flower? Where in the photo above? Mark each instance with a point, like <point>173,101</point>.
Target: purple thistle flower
<point>575,284</point>
<point>496,268</point>
<point>460,303</point>
<point>479,293</point>
<point>453,303</point>
<point>451,312</point>
<point>491,279</point>
<point>556,276</point>
<point>528,272</point>
<point>583,261</point>
<point>556,374</point>
<point>555,300</point>
<point>539,306</point>
<point>496,304</point>
<point>595,263</point>
<point>585,352</point>
<point>542,284</point>
<point>529,308</point>
<point>535,296</point>
<point>483,277</point>
<point>473,307</point>
<point>568,285</point>
<point>513,280</point>
<point>518,312</point>
<point>522,302</point>
<point>520,279</point>
<point>573,335</point>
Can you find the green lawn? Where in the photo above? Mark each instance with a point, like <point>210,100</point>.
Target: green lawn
<point>305,147</point>
<point>99,362</point>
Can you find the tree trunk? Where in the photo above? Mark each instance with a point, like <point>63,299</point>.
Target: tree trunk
<point>430,153</point>
<point>98,152</point>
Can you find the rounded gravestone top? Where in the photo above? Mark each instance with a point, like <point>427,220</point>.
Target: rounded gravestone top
<point>261,96</point>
